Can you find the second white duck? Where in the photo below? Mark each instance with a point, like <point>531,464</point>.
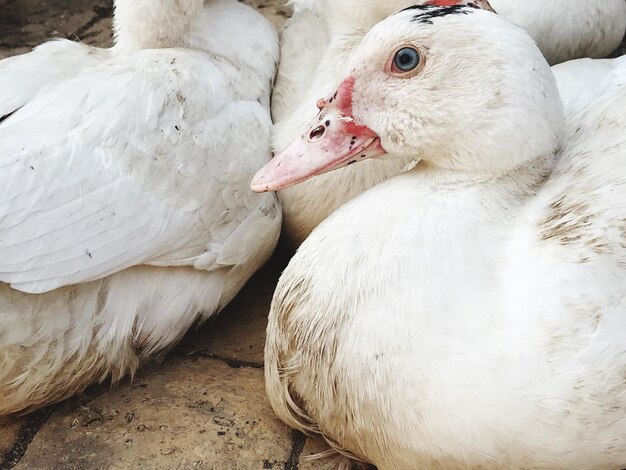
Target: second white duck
<point>125,209</point>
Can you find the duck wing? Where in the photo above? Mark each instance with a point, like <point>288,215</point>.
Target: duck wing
<point>143,159</point>
<point>23,76</point>
<point>582,82</point>
<point>581,210</point>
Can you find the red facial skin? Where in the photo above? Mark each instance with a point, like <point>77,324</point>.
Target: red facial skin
<point>484,4</point>
<point>334,139</point>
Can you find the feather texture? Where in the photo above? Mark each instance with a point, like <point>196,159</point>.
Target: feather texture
<point>321,39</point>
<point>125,208</point>
<point>435,319</point>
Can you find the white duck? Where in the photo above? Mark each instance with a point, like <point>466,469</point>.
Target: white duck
<point>125,208</point>
<point>317,41</point>
<point>601,78</point>
<point>569,29</point>
<point>469,313</point>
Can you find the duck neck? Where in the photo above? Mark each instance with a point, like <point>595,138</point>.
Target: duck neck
<point>153,24</point>
<point>521,179</point>
<point>466,217</point>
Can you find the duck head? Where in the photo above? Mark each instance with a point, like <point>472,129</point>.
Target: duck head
<point>456,86</point>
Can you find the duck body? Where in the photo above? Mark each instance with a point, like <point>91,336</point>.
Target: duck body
<point>125,213</point>
<point>566,30</point>
<point>453,317</point>
<point>23,76</point>
<point>425,362</point>
<point>321,36</point>
<point>446,356</point>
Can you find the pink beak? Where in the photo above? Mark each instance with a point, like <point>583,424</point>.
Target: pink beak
<point>334,139</point>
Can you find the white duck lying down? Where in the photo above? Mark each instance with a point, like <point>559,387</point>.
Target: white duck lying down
<point>125,208</point>
<point>469,313</point>
<point>569,29</point>
<point>318,40</point>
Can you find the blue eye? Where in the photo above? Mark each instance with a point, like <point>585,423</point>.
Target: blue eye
<point>406,59</point>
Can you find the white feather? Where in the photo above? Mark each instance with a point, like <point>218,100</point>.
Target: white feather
<point>584,81</point>
<point>469,313</point>
<point>125,208</point>
<point>302,5</point>
<point>569,29</point>
<point>22,77</point>
<point>316,46</point>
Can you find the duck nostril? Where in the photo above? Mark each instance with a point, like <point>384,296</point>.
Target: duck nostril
<point>317,133</point>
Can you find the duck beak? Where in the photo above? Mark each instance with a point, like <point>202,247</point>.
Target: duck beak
<point>334,139</point>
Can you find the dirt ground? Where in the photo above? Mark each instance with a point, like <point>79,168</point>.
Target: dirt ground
<point>204,406</point>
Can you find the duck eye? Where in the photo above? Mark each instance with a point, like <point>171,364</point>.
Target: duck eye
<point>406,60</point>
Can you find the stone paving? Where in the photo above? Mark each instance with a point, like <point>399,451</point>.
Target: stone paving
<point>204,405</point>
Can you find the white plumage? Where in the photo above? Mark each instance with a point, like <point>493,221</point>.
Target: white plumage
<point>569,29</point>
<point>469,313</point>
<point>322,35</point>
<point>125,209</point>
<point>584,81</point>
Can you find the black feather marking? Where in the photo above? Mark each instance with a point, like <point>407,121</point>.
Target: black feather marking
<point>7,116</point>
<point>428,12</point>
